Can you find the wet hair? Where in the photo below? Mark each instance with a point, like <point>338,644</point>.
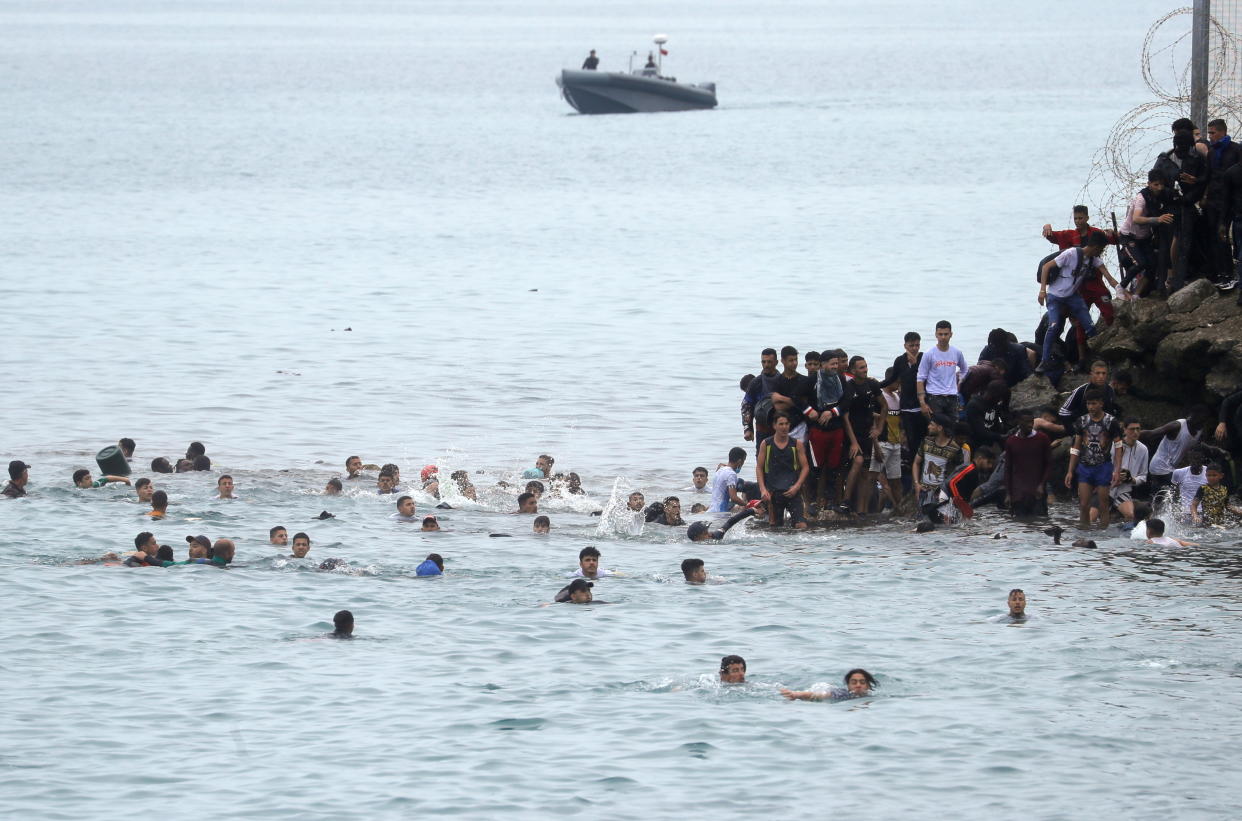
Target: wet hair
<point>699,469</point>
<point>159,500</point>
<point>301,535</point>
<point>871,682</point>
<point>127,446</point>
<point>1218,124</point>
<point>654,511</point>
<point>589,550</point>
<point>1142,511</point>
<point>1155,527</point>
<point>534,486</point>
<point>429,520</point>
<point>272,532</point>
<point>944,323</point>
<point>744,382</point>
<point>542,520</point>
<point>140,483</point>
<point>1017,590</point>
<point>788,350</point>
<point>223,476</point>
<point>727,661</point>
<point>161,465</point>
<point>698,507</point>
<point>165,553</point>
<point>343,620</point>
<point>688,566</point>
<point>79,473</point>
<point>349,459</point>
<point>202,462</point>
<point>912,336</point>
<point>668,499</point>
<point>522,499</point>
<point>389,469</point>
<point>1183,124</point>
<point>335,483</point>
<point>1124,378</point>
<point>551,461</point>
<point>142,538</point>
<point>736,453</point>
<point>768,352</point>
<point>194,450</point>
<point>1155,176</point>
<point>402,499</point>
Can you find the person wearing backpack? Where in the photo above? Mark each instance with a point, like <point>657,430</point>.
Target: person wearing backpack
<point>781,472</point>
<point>1146,213</point>
<point>1059,280</point>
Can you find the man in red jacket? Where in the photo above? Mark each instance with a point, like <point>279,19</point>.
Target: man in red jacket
<point>1093,290</point>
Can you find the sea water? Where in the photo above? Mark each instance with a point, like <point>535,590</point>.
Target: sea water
<point>297,232</point>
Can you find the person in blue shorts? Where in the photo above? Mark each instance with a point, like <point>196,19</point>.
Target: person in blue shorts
<point>1095,459</point>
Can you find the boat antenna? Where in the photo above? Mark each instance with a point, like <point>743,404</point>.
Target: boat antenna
<point>660,40</point>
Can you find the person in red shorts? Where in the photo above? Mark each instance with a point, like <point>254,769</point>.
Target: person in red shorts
<point>826,427</point>
<point>1093,290</point>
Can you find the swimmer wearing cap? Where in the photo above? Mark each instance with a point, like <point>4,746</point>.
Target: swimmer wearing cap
<point>576,592</point>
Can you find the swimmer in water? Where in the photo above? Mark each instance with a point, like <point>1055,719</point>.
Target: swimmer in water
<point>433,565</point>
<point>222,552</point>
<point>430,524</point>
<point>385,484</point>
<point>701,532</point>
<point>146,548</point>
<point>527,503</point>
<point>694,570</point>
<point>573,484</point>
<point>197,554</point>
<point>636,502</point>
<point>225,485</point>
<point>698,480</point>
<point>301,545</point>
<point>143,489</point>
<point>82,479</point>
<point>333,488</point>
<point>394,471</point>
<point>202,462</point>
<point>278,535</point>
<point>576,592</point>
<point>858,683</point>
<point>464,486</point>
<point>588,564</point>
<point>405,511</point>
<point>698,507</point>
<point>542,468</point>
<point>333,564</point>
<point>127,447</point>
<point>184,466</point>
<point>353,467</point>
<point>672,513</point>
<point>542,525</point>
<point>343,622</point>
<point>430,477</point>
<point>161,465</point>
<point>159,505</point>
<point>733,670</point>
<point>536,487</point>
<point>1017,605</point>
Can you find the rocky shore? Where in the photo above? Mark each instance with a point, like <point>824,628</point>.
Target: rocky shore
<point>1180,352</point>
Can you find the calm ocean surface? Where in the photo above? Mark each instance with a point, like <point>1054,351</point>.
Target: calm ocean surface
<point>302,231</point>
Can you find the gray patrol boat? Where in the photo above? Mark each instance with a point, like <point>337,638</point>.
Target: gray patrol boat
<point>644,89</point>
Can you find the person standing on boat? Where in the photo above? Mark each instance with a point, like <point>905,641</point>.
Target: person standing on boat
<point>591,62</point>
<point>651,63</point>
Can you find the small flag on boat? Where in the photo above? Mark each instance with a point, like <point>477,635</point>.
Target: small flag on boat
<point>664,51</point>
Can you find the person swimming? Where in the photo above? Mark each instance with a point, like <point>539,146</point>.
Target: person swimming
<point>733,670</point>
<point>858,683</point>
<point>588,564</point>
<point>433,565</point>
<point>542,525</point>
<point>430,524</point>
<point>343,624</point>
<point>576,592</point>
<point>1017,605</point>
<point>702,532</point>
<point>405,511</point>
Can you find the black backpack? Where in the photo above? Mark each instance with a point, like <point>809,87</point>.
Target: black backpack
<point>1083,261</point>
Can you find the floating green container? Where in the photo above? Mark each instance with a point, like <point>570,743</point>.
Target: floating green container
<point>112,462</point>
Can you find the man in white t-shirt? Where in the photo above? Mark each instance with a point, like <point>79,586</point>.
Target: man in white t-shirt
<point>940,373</point>
<point>724,483</point>
<point>1059,292</point>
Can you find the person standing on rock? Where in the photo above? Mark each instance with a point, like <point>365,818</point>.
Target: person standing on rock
<point>1060,279</point>
<point>1094,291</point>
<point>1028,462</point>
<point>1147,212</point>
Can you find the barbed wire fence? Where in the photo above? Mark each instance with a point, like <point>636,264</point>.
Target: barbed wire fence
<point>1119,168</point>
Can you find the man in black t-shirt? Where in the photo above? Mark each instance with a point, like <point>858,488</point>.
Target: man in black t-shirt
<point>864,406</point>
<point>913,422</point>
<point>792,392</point>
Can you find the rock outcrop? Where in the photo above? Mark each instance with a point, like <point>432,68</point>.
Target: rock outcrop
<point>1180,352</point>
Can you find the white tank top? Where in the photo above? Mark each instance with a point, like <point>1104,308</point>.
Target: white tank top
<point>1171,451</point>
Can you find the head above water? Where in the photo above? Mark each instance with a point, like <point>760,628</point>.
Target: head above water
<point>859,682</point>
<point>528,503</point>
<point>161,465</point>
<point>1017,602</point>
<point>343,623</point>
<point>278,535</point>
<point>694,571</point>
<point>542,524</point>
<point>733,670</point>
